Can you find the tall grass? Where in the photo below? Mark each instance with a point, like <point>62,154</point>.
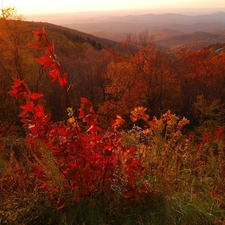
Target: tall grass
<point>185,185</point>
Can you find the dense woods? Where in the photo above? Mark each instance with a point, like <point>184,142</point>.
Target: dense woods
<point>116,79</point>
<point>98,132</point>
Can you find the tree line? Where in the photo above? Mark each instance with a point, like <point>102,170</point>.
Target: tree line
<point>189,83</point>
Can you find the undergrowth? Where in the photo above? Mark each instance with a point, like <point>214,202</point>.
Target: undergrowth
<point>74,172</point>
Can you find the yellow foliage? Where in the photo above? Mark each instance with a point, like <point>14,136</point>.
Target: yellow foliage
<point>139,113</point>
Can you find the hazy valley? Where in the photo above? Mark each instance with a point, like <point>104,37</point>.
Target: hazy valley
<point>169,30</point>
<point>101,127</point>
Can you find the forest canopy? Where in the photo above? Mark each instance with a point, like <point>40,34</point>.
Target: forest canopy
<point>97,132</point>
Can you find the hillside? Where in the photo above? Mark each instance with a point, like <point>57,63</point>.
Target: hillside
<point>74,35</point>
<point>92,135</point>
<point>169,30</point>
<point>71,35</point>
<point>19,60</point>
<point>190,38</point>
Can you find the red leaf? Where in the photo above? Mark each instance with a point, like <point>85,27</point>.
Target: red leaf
<point>36,170</point>
<point>62,81</point>
<point>39,110</point>
<point>50,49</point>
<point>19,89</point>
<point>28,107</point>
<point>84,100</point>
<point>135,163</point>
<point>56,65</point>
<point>54,74</point>
<point>37,34</point>
<point>73,165</point>
<point>14,93</point>
<point>81,114</point>
<point>46,61</point>
<point>25,121</point>
<point>23,114</point>
<point>36,96</point>
<point>17,82</point>
<point>98,156</point>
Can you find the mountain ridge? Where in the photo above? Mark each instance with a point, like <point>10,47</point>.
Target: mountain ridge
<point>168,29</point>
<point>120,26</point>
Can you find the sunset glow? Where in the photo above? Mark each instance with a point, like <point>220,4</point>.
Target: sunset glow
<point>58,6</point>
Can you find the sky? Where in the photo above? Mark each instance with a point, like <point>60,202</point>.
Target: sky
<point>26,7</point>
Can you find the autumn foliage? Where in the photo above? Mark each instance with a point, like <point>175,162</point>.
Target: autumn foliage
<point>49,59</point>
<point>86,157</point>
<point>77,159</point>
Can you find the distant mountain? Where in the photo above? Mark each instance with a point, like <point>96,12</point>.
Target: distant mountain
<point>160,19</point>
<point>164,33</point>
<point>74,35</point>
<point>108,29</point>
<point>163,27</point>
<point>168,30</point>
<point>193,40</point>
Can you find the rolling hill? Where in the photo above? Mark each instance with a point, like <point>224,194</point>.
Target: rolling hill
<point>189,38</point>
<point>71,35</point>
<point>169,30</point>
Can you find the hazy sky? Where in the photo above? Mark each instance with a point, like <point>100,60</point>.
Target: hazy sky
<point>56,6</point>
